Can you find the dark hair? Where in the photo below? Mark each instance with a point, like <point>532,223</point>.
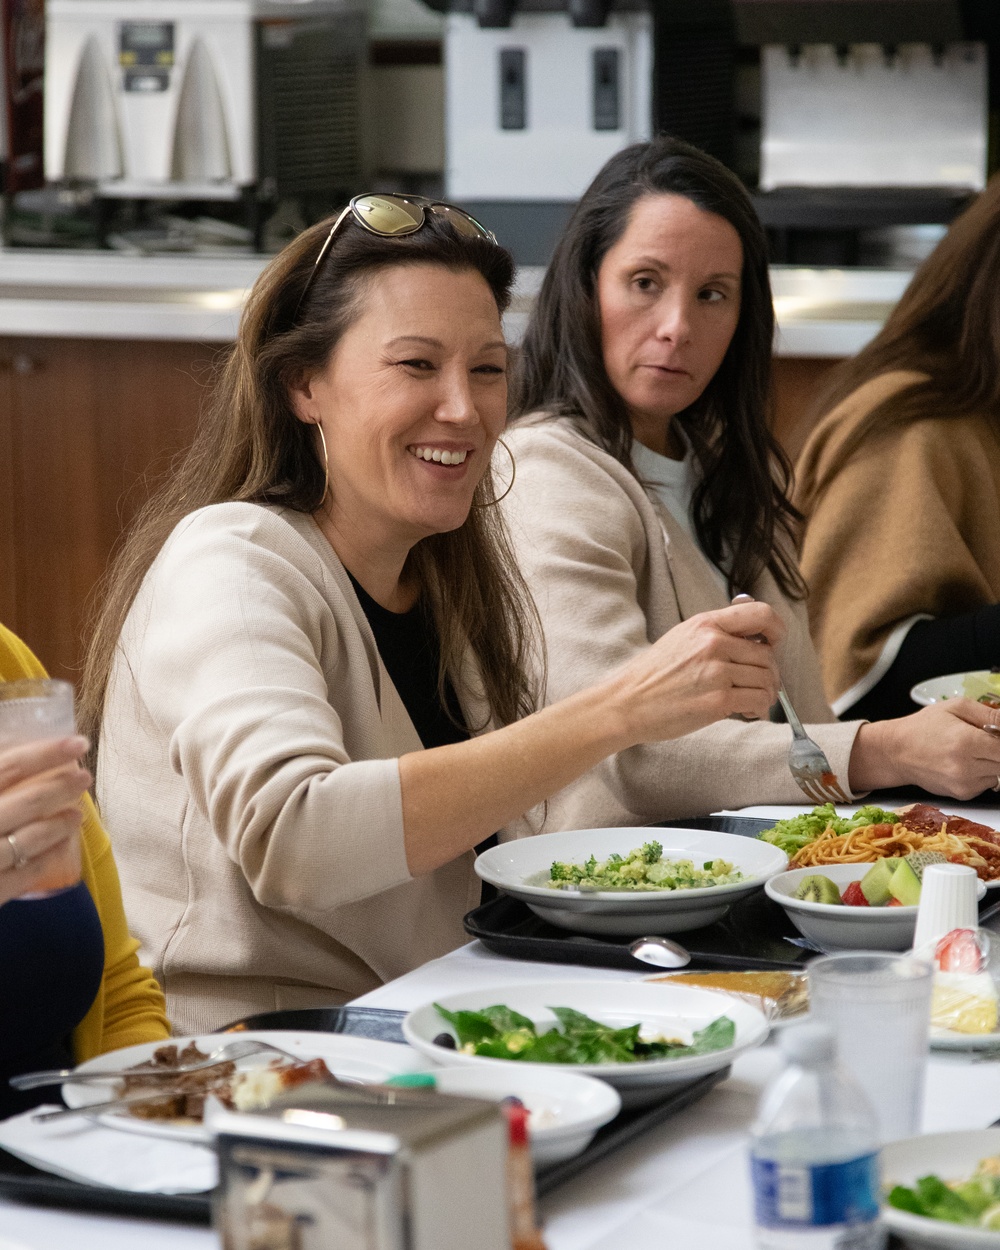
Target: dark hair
<point>250,446</point>
<point>946,325</point>
<point>740,508</point>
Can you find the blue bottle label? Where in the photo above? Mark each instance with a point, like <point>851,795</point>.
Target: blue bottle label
<point>810,1195</point>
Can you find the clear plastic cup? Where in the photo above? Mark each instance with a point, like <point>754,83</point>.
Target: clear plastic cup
<point>31,710</point>
<point>878,1006</point>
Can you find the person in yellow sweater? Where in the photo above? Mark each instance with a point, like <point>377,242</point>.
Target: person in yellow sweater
<point>71,985</point>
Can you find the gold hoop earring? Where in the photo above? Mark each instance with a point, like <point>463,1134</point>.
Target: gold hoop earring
<point>326,464</point>
<point>510,485</point>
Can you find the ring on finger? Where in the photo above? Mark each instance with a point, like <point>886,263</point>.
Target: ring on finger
<point>997,786</point>
<point>20,859</point>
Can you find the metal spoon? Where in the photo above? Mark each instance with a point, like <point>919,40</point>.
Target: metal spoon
<point>661,952</point>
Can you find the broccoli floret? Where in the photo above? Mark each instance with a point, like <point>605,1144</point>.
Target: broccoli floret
<point>561,872</point>
<point>651,852</point>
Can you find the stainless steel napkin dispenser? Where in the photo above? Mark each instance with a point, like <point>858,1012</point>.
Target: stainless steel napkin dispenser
<point>366,1168</point>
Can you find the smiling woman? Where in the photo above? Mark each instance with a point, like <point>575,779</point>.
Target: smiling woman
<point>312,629</point>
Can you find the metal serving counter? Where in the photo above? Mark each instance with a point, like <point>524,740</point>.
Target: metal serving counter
<point>104,295</point>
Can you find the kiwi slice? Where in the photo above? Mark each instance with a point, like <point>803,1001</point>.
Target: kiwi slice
<point>817,889</point>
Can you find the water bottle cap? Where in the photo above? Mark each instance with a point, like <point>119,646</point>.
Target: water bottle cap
<point>809,1044</point>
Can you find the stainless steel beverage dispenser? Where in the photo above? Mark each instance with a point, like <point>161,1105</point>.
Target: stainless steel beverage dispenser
<point>848,114</point>
<point>874,120</point>
<point>206,99</point>
<point>535,103</point>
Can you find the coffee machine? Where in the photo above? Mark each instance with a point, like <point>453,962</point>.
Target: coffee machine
<point>535,102</point>
<point>207,100</point>
<point>842,116</point>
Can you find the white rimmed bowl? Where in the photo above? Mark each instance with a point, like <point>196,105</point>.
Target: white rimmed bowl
<point>837,927</point>
<point>952,1156</point>
<point>515,868</point>
<point>565,1109</point>
<point>617,1003</point>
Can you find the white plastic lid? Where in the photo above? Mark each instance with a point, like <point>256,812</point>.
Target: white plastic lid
<point>809,1044</point>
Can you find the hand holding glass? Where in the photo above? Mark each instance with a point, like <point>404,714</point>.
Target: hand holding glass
<point>35,710</point>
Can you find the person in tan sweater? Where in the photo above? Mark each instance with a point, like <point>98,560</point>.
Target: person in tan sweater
<point>306,639</point>
<point>899,483</point>
<point>649,488</point>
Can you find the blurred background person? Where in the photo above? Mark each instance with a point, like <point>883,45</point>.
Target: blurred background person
<point>900,485</point>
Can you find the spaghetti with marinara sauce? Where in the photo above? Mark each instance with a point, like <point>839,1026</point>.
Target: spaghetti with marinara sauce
<point>873,842</point>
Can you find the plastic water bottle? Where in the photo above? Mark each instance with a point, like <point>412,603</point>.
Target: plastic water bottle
<point>814,1157</point>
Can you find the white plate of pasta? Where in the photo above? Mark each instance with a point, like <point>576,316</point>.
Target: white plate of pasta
<point>822,839</point>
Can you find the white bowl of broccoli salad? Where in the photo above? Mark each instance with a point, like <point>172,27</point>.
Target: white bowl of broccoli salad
<point>629,882</point>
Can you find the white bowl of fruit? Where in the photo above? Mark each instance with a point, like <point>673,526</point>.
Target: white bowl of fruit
<point>856,906</point>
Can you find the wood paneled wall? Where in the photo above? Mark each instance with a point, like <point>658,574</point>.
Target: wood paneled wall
<point>85,427</point>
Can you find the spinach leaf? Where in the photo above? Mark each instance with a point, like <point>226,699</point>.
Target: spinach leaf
<point>905,1200</point>
<point>471,1026</point>
<point>942,1203</point>
<point>505,1019</point>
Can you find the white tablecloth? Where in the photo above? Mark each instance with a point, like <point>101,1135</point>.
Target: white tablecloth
<point>683,1185</point>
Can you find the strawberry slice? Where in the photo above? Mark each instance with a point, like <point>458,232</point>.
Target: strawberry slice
<point>854,896</point>
<point>958,951</point>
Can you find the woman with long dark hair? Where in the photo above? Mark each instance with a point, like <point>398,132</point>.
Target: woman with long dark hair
<point>900,485</point>
<point>314,624</point>
<point>649,488</point>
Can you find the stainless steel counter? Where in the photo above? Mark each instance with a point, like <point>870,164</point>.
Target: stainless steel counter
<point>821,312</point>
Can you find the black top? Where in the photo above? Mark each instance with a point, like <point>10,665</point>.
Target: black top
<point>51,964</point>
<point>950,644</point>
<point>408,645</point>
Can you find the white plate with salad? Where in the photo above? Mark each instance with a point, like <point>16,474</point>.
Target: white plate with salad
<point>638,1036</point>
<point>981,684</point>
<point>943,1189</point>
<point>632,881</point>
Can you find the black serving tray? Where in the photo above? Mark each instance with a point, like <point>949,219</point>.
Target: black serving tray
<point>751,935</point>
<point>24,1183</point>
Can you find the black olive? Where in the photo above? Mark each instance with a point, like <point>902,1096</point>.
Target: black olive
<point>446,1040</point>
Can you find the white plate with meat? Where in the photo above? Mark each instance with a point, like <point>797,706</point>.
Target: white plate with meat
<point>350,1058</point>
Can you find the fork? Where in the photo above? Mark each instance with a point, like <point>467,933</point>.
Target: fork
<point>807,760</point>
<point>223,1054</point>
<point>808,764</point>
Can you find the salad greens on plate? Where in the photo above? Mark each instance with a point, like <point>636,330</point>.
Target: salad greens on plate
<point>499,1032</point>
<point>975,1202</point>
<point>793,834</point>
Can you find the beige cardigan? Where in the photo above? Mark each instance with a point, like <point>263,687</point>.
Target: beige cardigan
<point>248,769</point>
<point>611,570</point>
<point>908,527</point>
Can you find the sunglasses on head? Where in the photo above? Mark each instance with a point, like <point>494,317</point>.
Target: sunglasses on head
<point>392,216</point>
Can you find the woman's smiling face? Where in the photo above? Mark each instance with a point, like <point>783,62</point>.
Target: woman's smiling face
<point>411,403</point>
<point>669,299</point>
